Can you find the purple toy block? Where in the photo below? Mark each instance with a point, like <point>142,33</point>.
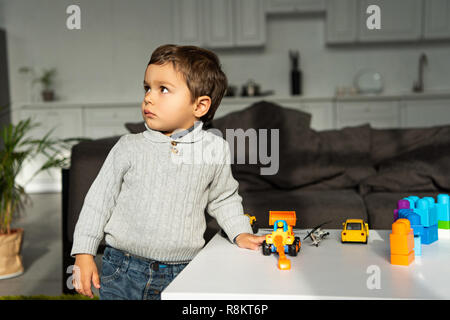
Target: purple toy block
<point>401,204</point>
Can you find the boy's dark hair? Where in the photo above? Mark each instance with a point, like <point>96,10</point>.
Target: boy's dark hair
<point>200,68</point>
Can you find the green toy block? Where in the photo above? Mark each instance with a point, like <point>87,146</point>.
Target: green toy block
<point>444,224</point>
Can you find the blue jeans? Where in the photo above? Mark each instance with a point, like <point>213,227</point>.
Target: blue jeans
<point>127,277</point>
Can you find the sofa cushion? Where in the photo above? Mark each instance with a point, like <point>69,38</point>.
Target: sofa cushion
<point>380,207</point>
<point>260,116</point>
<point>86,161</point>
<point>418,164</point>
<point>315,160</point>
<point>312,207</point>
<point>390,143</point>
<point>318,160</point>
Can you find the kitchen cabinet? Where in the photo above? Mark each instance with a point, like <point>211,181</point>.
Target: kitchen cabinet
<point>188,22</point>
<point>105,121</point>
<point>437,19</point>
<point>234,23</point>
<point>65,123</point>
<point>218,19</point>
<point>322,113</point>
<point>294,6</point>
<point>425,113</point>
<point>341,21</point>
<point>379,114</point>
<point>219,23</point>
<point>400,20</point>
<point>250,23</point>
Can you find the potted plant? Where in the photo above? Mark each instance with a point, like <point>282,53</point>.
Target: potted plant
<point>46,79</point>
<point>18,148</point>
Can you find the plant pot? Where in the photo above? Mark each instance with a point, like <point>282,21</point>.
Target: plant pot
<point>48,95</point>
<point>10,258</point>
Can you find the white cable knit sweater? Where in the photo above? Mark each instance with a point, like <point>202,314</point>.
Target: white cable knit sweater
<point>149,201</point>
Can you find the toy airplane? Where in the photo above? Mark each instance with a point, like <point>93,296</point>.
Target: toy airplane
<point>317,234</point>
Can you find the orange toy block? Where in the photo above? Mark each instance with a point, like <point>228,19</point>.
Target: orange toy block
<point>402,243</point>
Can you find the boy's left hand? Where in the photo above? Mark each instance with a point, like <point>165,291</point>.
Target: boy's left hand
<point>249,241</point>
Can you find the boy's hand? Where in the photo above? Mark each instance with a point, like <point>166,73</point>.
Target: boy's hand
<point>84,272</point>
<point>249,241</point>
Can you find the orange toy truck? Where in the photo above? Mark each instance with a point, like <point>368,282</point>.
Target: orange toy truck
<point>282,239</point>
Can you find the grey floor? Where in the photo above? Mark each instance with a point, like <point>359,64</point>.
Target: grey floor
<point>41,250</point>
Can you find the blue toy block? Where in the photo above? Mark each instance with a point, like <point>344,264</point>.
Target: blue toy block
<point>426,209</point>
<point>417,246</point>
<point>430,234</point>
<point>404,213</point>
<point>417,227</point>
<point>443,207</point>
<point>412,201</point>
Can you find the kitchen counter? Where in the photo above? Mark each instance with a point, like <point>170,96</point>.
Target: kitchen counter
<point>239,100</point>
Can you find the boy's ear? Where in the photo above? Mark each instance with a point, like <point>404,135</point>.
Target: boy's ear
<point>202,106</point>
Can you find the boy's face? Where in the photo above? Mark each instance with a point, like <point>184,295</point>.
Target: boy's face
<point>168,98</point>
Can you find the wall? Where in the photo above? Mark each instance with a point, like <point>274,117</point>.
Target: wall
<point>106,59</point>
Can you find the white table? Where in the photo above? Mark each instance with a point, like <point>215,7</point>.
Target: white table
<point>331,271</point>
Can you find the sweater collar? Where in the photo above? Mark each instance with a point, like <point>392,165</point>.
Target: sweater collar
<point>190,135</point>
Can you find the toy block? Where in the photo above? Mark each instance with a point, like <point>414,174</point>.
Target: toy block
<point>402,243</point>
<point>404,213</point>
<point>427,212</point>
<point>432,211</point>
<point>430,234</point>
<point>444,225</point>
<point>443,209</point>
<point>402,260</point>
<point>401,204</point>
<point>412,201</point>
<point>417,246</point>
<point>417,227</point>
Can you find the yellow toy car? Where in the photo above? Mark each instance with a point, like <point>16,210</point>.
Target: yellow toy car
<point>355,230</point>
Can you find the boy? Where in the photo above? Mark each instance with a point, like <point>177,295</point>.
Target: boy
<point>149,206</point>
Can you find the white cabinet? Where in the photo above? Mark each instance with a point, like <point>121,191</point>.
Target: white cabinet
<point>65,123</point>
<point>291,6</point>
<point>219,23</point>
<point>437,19</point>
<point>379,114</point>
<point>104,121</point>
<point>188,22</point>
<point>250,23</point>
<point>400,20</point>
<point>425,113</point>
<point>321,112</point>
<point>341,21</point>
